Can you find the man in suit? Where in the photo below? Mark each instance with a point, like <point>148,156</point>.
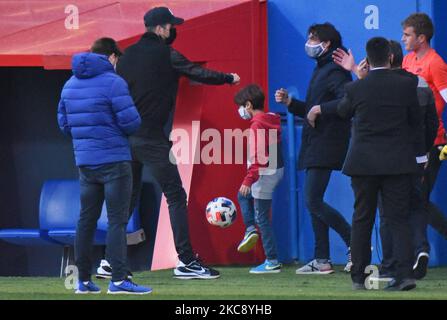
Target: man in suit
<point>380,160</point>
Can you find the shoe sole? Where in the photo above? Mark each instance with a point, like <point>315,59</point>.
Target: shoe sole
<point>87,292</point>
<point>406,288</point>
<point>316,273</point>
<point>263,272</point>
<point>409,287</point>
<point>101,276</point>
<point>128,292</point>
<point>249,244</point>
<point>420,269</point>
<point>192,277</point>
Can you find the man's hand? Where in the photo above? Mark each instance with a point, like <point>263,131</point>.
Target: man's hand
<point>245,190</point>
<point>282,96</point>
<point>313,114</point>
<point>362,69</point>
<point>344,59</point>
<point>236,78</point>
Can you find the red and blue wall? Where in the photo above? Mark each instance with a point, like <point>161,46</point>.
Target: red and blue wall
<point>263,42</point>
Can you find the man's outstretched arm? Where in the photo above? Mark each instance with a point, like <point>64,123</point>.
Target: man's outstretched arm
<point>195,72</point>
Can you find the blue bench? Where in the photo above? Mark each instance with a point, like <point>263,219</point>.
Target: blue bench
<point>58,216</point>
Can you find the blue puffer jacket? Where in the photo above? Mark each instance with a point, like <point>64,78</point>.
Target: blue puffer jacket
<point>97,111</point>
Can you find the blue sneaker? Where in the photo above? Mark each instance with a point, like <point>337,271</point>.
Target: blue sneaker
<point>128,287</point>
<point>267,267</point>
<point>87,287</point>
<point>249,241</point>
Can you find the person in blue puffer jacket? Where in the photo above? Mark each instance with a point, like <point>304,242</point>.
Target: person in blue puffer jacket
<point>97,111</point>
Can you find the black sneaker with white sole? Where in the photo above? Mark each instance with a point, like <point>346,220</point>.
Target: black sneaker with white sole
<point>194,270</point>
<point>420,266</point>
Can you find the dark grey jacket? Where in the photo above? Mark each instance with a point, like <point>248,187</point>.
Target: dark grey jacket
<point>325,145</point>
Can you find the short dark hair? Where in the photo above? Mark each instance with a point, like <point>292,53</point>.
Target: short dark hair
<point>398,55</point>
<point>421,24</point>
<point>378,51</point>
<point>326,32</point>
<point>106,46</point>
<point>252,93</point>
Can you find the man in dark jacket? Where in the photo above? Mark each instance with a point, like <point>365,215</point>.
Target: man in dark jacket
<point>184,67</point>
<point>324,142</point>
<point>152,69</point>
<point>424,141</point>
<point>97,111</point>
<point>381,160</point>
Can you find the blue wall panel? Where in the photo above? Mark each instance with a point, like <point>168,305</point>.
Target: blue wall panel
<point>289,67</point>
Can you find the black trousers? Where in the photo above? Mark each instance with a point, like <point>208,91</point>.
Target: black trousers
<point>394,191</point>
<point>153,151</point>
<point>436,217</point>
<point>418,223</point>
<point>112,183</point>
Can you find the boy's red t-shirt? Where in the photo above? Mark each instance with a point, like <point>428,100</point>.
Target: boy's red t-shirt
<point>433,69</point>
<point>259,152</point>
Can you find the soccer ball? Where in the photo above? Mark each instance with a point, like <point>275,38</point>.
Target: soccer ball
<point>221,212</point>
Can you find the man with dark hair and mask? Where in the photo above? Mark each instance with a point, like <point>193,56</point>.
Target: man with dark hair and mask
<point>324,141</point>
<point>152,70</point>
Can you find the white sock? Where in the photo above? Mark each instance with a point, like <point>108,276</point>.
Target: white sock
<point>250,228</point>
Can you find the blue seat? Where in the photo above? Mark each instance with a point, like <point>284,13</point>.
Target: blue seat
<point>59,209</point>
<point>27,237</point>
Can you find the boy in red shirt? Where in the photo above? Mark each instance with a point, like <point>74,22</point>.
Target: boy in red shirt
<point>265,170</point>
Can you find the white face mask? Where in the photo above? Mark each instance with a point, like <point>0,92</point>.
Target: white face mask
<point>314,51</point>
<point>244,114</point>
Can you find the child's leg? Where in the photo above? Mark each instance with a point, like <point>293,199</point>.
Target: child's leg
<point>262,210</point>
<point>247,210</point>
<point>248,214</point>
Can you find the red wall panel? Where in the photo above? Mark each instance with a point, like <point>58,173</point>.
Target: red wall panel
<point>231,40</point>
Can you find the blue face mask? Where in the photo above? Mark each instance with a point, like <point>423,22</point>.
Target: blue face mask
<point>314,51</point>
<point>243,113</point>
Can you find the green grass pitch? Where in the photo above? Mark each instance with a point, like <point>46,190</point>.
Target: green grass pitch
<point>235,283</point>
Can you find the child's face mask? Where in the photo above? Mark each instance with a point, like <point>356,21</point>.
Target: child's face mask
<point>243,113</point>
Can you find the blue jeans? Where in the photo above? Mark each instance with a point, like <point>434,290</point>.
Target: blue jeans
<point>323,215</point>
<point>112,183</point>
<point>256,211</point>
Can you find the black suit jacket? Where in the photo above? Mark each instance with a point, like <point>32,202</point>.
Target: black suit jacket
<point>385,111</point>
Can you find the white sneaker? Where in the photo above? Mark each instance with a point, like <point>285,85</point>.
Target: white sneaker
<point>314,267</point>
<point>104,270</point>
